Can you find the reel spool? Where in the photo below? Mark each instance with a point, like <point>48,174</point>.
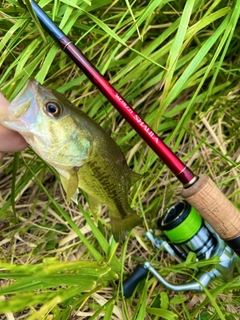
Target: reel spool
<point>185,232</point>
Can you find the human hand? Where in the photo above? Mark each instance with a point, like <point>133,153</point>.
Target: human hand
<point>10,141</point>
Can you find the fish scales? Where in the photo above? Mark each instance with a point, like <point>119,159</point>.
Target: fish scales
<point>114,196</point>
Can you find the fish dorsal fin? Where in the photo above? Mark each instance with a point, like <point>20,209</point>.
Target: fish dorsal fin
<point>134,177</point>
<point>122,225</point>
<point>69,179</point>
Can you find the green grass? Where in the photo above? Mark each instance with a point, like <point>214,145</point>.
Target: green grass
<point>177,63</point>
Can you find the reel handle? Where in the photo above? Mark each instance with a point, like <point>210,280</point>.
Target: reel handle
<point>216,209</point>
<point>129,285</point>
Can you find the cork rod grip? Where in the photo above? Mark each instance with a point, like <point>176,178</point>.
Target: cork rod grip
<point>214,207</point>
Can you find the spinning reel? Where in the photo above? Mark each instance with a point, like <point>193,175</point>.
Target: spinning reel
<point>185,231</point>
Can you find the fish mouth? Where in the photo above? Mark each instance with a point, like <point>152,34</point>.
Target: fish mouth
<point>18,116</point>
<point>21,103</point>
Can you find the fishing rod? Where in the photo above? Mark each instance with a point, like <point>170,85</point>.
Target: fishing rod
<point>200,191</point>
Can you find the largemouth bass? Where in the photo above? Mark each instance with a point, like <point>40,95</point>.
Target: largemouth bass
<point>84,155</point>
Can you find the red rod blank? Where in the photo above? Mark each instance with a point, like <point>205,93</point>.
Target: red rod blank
<point>179,169</point>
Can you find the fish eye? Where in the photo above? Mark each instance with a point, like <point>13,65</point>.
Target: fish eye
<point>53,109</point>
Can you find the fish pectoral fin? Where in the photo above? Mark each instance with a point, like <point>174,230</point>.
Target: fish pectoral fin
<point>121,226</point>
<point>70,184</point>
<point>75,197</point>
<point>95,206</point>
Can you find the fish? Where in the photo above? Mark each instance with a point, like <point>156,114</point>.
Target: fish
<point>80,150</point>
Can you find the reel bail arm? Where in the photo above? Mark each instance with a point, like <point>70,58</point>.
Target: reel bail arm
<point>141,272</point>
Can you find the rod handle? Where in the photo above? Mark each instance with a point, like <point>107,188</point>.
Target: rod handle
<point>129,285</point>
<point>214,207</point>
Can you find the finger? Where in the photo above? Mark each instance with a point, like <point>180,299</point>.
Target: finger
<point>3,104</point>
<point>10,141</point>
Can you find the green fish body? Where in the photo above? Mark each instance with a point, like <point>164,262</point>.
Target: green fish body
<point>78,148</point>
